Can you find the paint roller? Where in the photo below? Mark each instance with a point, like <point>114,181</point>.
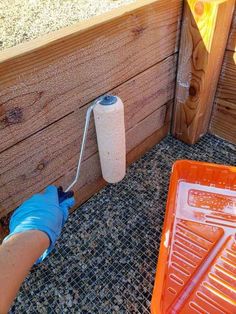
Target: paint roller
<point>110,129</point>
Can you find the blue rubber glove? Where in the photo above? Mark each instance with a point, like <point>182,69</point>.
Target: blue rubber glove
<point>42,212</point>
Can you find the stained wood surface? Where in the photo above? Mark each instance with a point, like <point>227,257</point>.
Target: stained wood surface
<point>44,80</point>
<point>204,34</point>
<point>223,123</point>
<point>50,155</point>
<point>231,45</point>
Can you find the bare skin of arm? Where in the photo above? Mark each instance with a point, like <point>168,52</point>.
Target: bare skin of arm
<point>17,256</point>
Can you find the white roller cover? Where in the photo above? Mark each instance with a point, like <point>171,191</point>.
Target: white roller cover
<point>110,129</point>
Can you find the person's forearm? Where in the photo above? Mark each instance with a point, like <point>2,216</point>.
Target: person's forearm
<point>17,256</point>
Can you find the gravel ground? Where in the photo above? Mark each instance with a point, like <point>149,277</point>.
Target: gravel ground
<point>21,20</point>
<point>106,258</point>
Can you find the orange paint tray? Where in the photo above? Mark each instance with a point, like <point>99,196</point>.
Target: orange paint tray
<point>196,270</point>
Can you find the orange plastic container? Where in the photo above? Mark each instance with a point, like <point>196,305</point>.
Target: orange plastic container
<point>196,271</point>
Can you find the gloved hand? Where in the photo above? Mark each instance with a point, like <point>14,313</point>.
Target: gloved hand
<point>42,212</point>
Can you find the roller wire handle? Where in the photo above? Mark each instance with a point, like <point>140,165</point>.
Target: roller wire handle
<point>63,195</point>
<point>88,115</point>
<point>67,193</point>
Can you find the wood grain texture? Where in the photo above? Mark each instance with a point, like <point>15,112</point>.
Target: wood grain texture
<point>223,122</point>
<point>204,34</point>
<point>44,80</point>
<point>231,45</point>
<point>50,155</point>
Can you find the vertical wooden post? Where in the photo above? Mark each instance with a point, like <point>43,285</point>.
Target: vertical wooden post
<point>204,35</point>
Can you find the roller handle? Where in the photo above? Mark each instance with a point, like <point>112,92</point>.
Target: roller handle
<point>62,196</point>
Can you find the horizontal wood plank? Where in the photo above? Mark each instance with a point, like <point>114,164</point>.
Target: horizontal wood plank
<point>223,122</point>
<point>73,30</point>
<point>40,84</point>
<point>51,154</point>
